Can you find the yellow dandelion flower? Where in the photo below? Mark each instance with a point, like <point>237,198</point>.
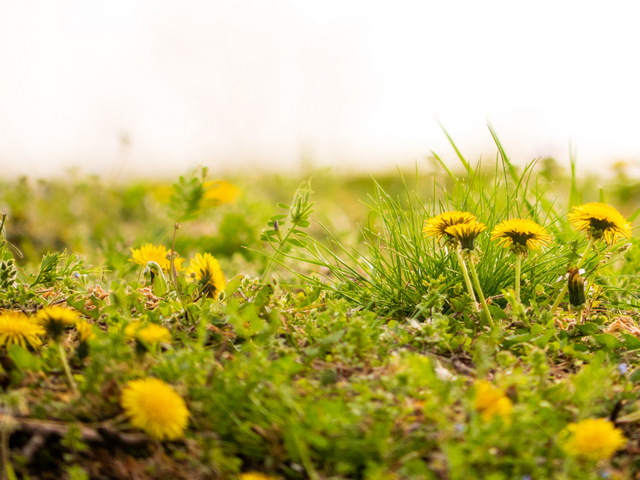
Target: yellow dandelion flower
<point>156,408</point>
<point>491,401</point>
<point>205,270</point>
<point>85,330</point>
<point>599,221</point>
<point>56,319</point>
<point>16,328</point>
<point>466,233</point>
<point>437,226</point>
<point>520,235</point>
<point>218,192</point>
<point>154,334</point>
<point>594,438</point>
<point>155,253</point>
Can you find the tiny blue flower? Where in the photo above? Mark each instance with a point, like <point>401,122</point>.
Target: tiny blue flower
<point>623,368</point>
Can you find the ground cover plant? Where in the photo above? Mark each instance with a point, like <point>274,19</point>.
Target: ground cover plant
<point>446,323</point>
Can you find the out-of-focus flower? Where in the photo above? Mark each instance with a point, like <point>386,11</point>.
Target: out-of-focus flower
<point>156,408</point>
<point>594,438</point>
<point>55,320</point>
<point>491,401</point>
<point>16,328</point>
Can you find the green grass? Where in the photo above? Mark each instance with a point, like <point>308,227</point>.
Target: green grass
<point>344,345</point>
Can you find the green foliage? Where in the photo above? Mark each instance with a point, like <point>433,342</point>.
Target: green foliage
<point>349,349</point>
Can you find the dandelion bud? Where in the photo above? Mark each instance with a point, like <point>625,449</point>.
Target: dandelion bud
<point>576,289</point>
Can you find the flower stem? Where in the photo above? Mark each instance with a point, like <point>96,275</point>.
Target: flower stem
<point>518,272</point>
<point>565,287</point>
<point>467,280</point>
<point>476,282</point>
<point>67,370</point>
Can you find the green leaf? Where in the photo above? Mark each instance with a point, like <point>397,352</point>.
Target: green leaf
<point>497,312</point>
<point>24,359</point>
<point>542,340</point>
<point>515,339</point>
<point>232,285</point>
<point>587,329</point>
<point>630,342</point>
<point>607,340</point>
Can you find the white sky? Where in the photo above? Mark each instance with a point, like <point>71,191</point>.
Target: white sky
<point>241,83</point>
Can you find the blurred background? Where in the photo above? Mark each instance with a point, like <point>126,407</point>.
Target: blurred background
<point>146,88</point>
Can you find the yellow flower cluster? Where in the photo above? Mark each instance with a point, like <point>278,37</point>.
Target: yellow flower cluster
<point>16,328</point>
<point>203,268</point>
<point>598,220</point>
